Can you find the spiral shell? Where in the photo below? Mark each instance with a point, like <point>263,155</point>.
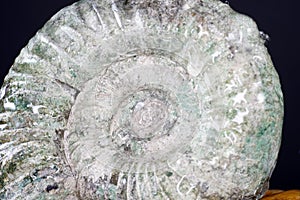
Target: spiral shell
<point>141,100</point>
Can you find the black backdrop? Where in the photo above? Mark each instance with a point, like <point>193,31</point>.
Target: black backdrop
<point>20,20</point>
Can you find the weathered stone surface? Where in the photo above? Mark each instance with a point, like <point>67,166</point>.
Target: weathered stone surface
<point>141,100</point>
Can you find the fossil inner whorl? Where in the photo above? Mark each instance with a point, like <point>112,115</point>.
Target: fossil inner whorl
<point>144,115</point>
<point>148,116</point>
<point>142,110</point>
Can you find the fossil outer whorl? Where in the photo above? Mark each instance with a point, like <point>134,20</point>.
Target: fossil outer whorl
<point>141,100</point>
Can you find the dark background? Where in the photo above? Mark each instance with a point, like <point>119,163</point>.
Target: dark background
<point>20,20</point>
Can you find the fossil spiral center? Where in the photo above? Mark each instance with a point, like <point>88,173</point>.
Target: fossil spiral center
<point>142,110</point>
<point>148,116</point>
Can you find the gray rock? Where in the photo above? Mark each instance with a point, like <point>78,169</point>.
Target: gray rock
<point>137,99</point>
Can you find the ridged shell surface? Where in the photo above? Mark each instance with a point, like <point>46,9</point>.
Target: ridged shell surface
<point>141,100</point>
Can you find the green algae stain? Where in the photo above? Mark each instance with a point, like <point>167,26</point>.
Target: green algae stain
<point>3,179</point>
<point>11,168</point>
<point>72,72</point>
<point>168,173</point>
<point>231,114</point>
<point>23,68</point>
<point>26,180</point>
<point>258,146</point>
<point>39,50</point>
<point>266,129</point>
<point>21,103</point>
<point>4,173</point>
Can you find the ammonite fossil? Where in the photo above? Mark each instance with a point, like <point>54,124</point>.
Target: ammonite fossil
<point>141,99</point>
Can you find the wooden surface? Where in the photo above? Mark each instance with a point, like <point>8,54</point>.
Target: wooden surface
<point>282,195</point>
